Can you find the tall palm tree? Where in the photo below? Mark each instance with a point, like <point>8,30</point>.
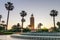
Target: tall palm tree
<point>23,14</point>
<point>54,13</point>
<point>9,6</point>
<point>0,17</point>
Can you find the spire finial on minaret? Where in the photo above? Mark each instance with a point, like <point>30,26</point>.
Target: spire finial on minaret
<point>32,15</point>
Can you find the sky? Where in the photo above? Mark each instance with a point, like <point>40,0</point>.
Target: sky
<point>39,8</point>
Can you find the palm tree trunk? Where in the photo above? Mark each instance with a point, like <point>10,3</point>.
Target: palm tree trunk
<point>22,26</point>
<point>0,19</point>
<point>54,21</point>
<point>22,23</point>
<point>7,20</point>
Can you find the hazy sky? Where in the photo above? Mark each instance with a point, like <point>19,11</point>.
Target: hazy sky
<point>40,8</point>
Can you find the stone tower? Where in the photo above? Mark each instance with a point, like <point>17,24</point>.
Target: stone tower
<point>32,22</point>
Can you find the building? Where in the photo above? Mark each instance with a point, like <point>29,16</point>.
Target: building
<point>31,26</point>
<point>32,22</point>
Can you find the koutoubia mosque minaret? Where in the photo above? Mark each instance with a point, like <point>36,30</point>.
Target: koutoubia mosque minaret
<point>32,22</point>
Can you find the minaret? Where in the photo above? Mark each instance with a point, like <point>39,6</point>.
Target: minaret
<point>32,22</point>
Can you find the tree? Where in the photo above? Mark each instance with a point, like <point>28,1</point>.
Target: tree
<point>26,30</point>
<point>23,14</point>
<point>18,25</point>
<point>54,13</point>
<point>42,30</point>
<point>1,27</point>
<point>9,6</point>
<point>0,17</point>
<point>3,21</point>
<point>15,28</point>
<point>39,25</point>
<point>58,24</point>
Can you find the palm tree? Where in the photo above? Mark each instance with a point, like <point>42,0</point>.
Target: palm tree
<point>0,17</point>
<point>54,13</point>
<point>9,6</point>
<point>23,14</point>
<point>39,25</point>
